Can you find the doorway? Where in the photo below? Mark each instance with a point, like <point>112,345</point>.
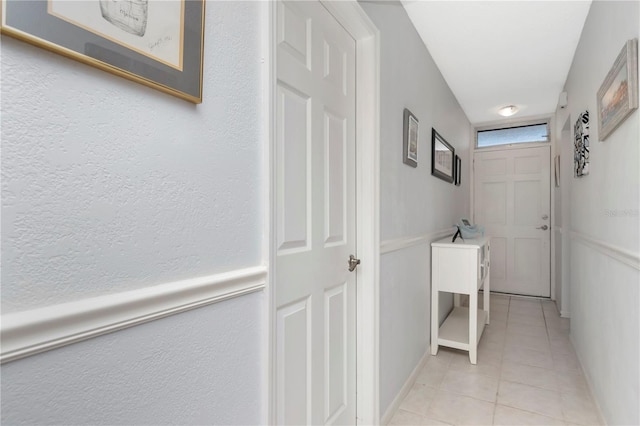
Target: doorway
<point>512,200</point>
<point>324,138</point>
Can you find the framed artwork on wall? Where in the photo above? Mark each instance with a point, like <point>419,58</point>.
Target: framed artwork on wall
<point>442,157</point>
<point>410,139</point>
<point>158,43</point>
<point>618,95</point>
<point>581,145</point>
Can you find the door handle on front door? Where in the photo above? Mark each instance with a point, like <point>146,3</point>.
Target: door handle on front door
<point>543,227</point>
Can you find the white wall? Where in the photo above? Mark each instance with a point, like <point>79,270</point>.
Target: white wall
<point>108,186</point>
<point>201,367</point>
<point>413,203</point>
<point>604,225</point>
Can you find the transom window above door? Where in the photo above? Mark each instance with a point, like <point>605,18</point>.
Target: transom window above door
<point>530,133</point>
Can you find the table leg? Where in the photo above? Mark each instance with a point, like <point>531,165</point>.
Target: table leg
<point>473,327</point>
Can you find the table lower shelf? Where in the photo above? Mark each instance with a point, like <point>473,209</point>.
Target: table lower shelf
<point>454,332</point>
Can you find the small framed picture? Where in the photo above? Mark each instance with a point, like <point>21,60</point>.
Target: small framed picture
<point>410,138</point>
<point>442,158</point>
<point>618,95</point>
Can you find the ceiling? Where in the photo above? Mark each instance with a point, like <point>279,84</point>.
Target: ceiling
<point>498,53</point>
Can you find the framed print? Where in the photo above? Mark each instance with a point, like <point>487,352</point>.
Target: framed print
<point>618,95</point>
<point>581,145</point>
<point>158,43</point>
<point>410,139</point>
<point>442,157</point>
<point>458,171</point>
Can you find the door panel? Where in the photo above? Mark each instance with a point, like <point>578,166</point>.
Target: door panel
<point>512,200</point>
<point>315,217</point>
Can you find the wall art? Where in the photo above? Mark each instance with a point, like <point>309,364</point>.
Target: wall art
<point>442,157</point>
<point>458,171</point>
<point>618,95</point>
<point>581,145</point>
<point>158,43</point>
<point>410,139</point>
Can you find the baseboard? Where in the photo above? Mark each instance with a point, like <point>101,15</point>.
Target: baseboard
<point>589,385</point>
<point>30,332</point>
<point>397,401</point>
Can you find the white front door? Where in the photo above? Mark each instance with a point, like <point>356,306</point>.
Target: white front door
<point>315,294</point>
<point>512,201</point>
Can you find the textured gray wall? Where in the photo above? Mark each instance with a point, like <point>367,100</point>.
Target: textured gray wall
<point>413,202</point>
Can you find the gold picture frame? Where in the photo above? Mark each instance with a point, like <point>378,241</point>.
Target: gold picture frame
<point>618,95</point>
<point>158,43</point>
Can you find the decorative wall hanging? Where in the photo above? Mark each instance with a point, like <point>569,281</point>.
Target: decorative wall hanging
<point>157,43</point>
<point>618,95</point>
<point>410,138</point>
<point>581,145</point>
<point>458,170</point>
<point>442,157</point>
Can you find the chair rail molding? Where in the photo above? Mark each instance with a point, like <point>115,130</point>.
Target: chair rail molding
<point>618,253</point>
<point>33,331</point>
<point>395,244</point>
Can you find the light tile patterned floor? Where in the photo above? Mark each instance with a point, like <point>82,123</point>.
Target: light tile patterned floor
<point>527,374</point>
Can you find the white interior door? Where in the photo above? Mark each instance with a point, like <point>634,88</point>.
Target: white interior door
<point>512,201</point>
<point>315,294</point>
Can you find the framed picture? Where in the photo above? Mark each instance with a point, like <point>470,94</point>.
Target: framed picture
<point>618,95</point>
<point>158,43</point>
<point>410,139</point>
<point>458,171</point>
<point>581,145</point>
<point>442,157</point>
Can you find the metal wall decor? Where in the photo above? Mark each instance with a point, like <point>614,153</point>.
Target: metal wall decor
<point>581,145</point>
<point>158,43</point>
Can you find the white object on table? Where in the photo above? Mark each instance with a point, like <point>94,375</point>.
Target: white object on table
<point>460,268</point>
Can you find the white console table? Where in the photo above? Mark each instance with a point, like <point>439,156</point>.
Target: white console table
<point>460,268</point>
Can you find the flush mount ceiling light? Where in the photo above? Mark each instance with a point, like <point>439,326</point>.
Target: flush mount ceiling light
<point>508,111</point>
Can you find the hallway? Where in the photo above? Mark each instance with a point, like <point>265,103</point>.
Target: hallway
<point>527,374</point>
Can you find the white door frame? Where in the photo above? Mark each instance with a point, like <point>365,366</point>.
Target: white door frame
<point>353,18</point>
<point>552,143</point>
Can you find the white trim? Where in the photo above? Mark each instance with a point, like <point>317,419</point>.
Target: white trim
<point>589,384</point>
<point>268,36</point>
<point>388,246</point>
<point>404,391</point>
<point>565,314</point>
<point>621,255</point>
<point>30,332</point>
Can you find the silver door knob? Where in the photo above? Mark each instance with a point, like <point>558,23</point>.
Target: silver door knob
<point>353,262</point>
<point>543,227</point>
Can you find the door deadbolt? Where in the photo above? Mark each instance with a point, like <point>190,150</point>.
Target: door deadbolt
<point>353,263</point>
